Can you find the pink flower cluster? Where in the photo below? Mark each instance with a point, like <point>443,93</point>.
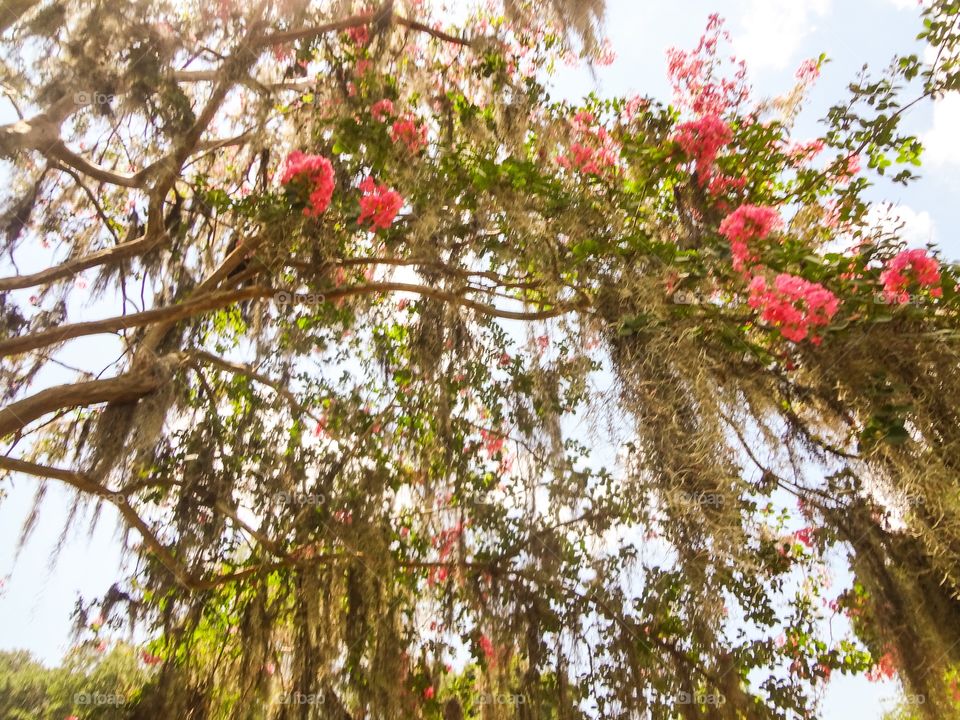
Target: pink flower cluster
<point>486,646</point>
<point>593,151</point>
<point>793,305</point>
<point>360,35</point>
<point>805,536</point>
<point>746,223</point>
<point>382,109</point>
<point>379,205</point>
<point>635,106</point>
<point>910,266</point>
<point>702,139</point>
<point>884,669</point>
<point>317,172</point>
<point>804,152</point>
<point>808,71</point>
<point>693,75</point>
<point>410,132</point>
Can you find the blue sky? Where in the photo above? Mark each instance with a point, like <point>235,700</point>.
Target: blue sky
<point>774,36</point>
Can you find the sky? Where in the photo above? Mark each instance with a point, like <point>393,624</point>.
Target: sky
<point>773,36</point>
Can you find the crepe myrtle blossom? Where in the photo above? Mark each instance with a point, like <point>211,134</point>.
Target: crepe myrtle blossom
<point>746,223</point>
<point>694,75</point>
<point>793,305</point>
<point>634,106</point>
<point>316,172</point>
<point>702,139</point>
<point>409,131</point>
<point>382,109</point>
<point>379,205</point>
<point>804,536</point>
<point>910,266</point>
<point>360,35</point>
<point>808,71</point>
<point>801,153</point>
<point>884,669</point>
<point>593,151</point>
<point>486,646</point>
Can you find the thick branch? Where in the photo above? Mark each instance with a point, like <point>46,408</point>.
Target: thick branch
<point>123,388</point>
<point>72,267</point>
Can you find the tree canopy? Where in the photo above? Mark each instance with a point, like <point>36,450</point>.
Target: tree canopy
<point>426,395</point>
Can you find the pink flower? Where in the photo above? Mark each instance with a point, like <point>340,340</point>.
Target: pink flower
<point>492,442</point>
<point>429,692</point>
<point>635,106</point>
<point>150,658</point>
<point>382,109</point>
<point>321,428</point>
<point>722,184</point>
<point>378,204</point>
<point>359,35</point>
<point>808,71</point>
<point>851,166</point>
<point>411,133</point>
<point>804,536</point>
<point>486,645</point>
<point>694,75</point>
<point>804,152</point>
<point>437,575</point>
<point>885,668</point>
<point>592,151</point>
<point>793,305</point>
<point>317,173</point>
<point>910,266</point>
<point>746,223</point>
<point>702,139</point>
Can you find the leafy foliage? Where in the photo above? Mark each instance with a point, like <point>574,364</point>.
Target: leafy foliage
<point>528,446</point>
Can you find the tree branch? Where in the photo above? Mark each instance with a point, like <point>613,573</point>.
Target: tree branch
<point>123,388</point>
<point>72,267</point>
<point>214,301</point>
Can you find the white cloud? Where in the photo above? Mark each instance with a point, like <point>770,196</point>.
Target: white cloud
<point>941,143</point>
<point>909,4</point>
<point>917,227</point>
<point>773,30</point>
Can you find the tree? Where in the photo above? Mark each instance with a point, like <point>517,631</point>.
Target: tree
<point>367,277</point>
<point>98,682</point>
